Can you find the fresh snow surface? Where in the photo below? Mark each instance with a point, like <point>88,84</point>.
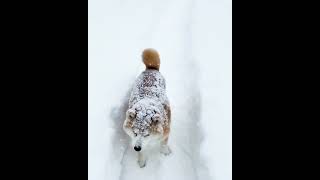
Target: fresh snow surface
<point>193,38</point>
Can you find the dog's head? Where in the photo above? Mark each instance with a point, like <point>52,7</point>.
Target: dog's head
<point>144,124</point>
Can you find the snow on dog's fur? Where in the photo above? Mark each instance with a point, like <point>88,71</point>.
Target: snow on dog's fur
<point>149,115</point>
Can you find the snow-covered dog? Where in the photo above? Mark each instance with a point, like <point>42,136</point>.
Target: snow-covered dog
<point>148,117</point>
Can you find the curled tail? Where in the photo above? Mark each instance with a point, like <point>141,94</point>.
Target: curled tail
<point>151,59</point>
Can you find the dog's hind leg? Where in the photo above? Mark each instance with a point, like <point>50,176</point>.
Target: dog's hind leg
<point>165,149</point>
<point>141,160</point>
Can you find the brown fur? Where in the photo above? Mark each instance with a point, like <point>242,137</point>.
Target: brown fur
<point>166,129</point>
<point>129,123</point>
<point>151,59</point>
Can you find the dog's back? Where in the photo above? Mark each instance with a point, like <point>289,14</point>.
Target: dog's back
<point>150,84</point>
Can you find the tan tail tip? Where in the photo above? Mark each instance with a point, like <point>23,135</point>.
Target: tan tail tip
<point>151,58</point>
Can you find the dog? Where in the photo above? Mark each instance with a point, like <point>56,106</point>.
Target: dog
<point>148,117</point>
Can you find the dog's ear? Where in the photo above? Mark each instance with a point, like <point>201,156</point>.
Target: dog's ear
<point>156,118</point>
<point>127,123</point>
<point>131,113</point>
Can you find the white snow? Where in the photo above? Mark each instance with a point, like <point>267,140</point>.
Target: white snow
<point>194,42</point>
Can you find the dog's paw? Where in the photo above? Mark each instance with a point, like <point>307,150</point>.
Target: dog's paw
<point>141,163</point>
<point>165,150</point>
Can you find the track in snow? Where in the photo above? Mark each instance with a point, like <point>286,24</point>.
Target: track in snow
<point>173,21</point>
<point>184,32</point>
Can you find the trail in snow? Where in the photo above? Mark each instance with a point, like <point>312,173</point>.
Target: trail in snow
<point>195,59</point>
<point>181,73</point>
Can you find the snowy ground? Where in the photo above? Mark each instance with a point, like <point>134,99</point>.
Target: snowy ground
<point>193,38</point>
